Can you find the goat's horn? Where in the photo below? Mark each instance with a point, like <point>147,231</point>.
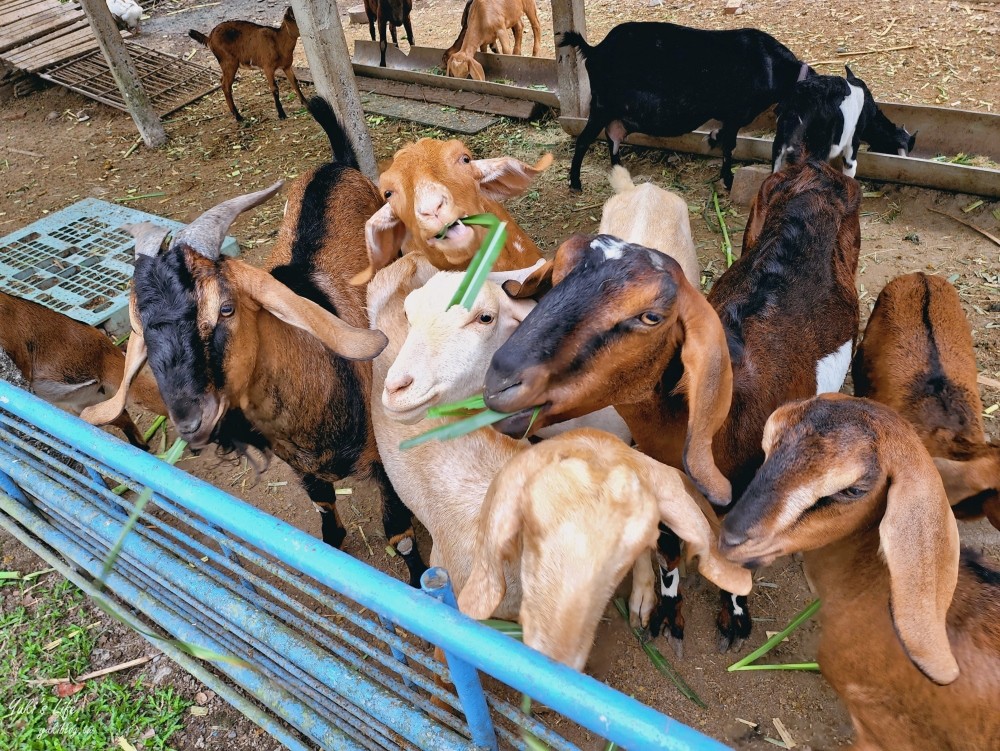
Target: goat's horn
<point>148,237</point>
<point>205,234</point>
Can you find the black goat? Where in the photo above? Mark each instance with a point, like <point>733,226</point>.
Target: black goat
<point>393,13</point>
<point>665,80</point>
<point>828,116</point>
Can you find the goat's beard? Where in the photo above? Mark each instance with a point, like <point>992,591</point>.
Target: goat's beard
<point>234,436</point>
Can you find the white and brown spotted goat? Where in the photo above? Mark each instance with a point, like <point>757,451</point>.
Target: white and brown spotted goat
<point>910,625</point>
<point>622,326</point>
<point>917,357</point>
<point>286,347</point>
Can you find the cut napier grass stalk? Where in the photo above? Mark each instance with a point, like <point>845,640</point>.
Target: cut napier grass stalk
<point>457,429</point>
<point>659,661</point>
<point>727,245</point>
<point>482,263</point>
<point>798,620</point>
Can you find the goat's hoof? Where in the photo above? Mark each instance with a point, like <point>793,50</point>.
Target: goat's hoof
<point>578,188</point>
<point>678,646</point>
<point>282,116</point>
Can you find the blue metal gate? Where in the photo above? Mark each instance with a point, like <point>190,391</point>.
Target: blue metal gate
<point>336,653</point>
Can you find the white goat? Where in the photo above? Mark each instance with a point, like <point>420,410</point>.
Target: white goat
<point>436,357</point>
<point>577,510</point>
<point>648,215</point>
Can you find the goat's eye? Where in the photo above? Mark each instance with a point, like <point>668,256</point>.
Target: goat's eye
<point>486,318</point>
<point>466,159</point>
<point>387,194</point>
<point>226,309</point>
<point>650,318</point>
<point>855,491</point>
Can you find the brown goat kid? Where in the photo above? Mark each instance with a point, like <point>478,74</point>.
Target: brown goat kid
<point>429,188</point>
<point>910,634</point>
<point>70,364</point>
<point>488,21</point>
<point>236,43</point>
<point>582,507</point>
<point>917,357</point>
<point>460,39</point>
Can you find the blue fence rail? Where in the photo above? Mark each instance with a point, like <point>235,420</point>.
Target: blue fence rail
<point>337,654</point>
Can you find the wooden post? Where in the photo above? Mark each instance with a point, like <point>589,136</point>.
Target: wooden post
<point>333,74</point>
<point>574,86</point>
<point>124,72</point>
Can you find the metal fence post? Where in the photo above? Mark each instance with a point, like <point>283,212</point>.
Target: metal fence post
<point>437,584</point>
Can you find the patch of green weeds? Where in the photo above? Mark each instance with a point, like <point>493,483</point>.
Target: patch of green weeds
<point>50,634</point>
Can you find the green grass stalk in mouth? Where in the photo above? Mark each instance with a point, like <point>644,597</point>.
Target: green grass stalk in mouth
<point>482,263</point>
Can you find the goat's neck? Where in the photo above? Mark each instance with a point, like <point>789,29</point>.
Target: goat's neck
<point>520,252</point>
<point>846,572</point>
<point>658,419</point>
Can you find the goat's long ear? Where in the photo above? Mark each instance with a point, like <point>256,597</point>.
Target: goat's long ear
<point>515,306</point>
<point>476,70</point>
<point>920,544</point>
<point>384,234</point>
<point>135,357</point>
<point>964,479</point>
<point>685,511</point>
<point>708,378</point>
<point>758,210</point>
<point>342,338</point>
<point>507,177</point>
<point>533,286</point>
<point>496,542</point>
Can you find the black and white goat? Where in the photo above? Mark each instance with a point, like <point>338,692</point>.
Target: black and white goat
<point>828,116</point>
<point>665,80</point>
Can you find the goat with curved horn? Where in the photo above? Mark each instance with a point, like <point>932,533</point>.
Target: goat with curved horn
<point>205,234</point>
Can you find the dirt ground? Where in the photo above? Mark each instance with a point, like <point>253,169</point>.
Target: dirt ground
<point>950,59</point>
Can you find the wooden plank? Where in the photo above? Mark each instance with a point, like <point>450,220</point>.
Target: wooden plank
<point>16,34</point>
<point>573,83</point>
<point>43,52</point>
<point>467,123</point>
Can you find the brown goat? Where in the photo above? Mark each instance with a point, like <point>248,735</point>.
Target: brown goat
<point>584,507</point>
<point>224,336</point>
<point>621,327</point>
<point>488,20</point>
<point>236,43</point>
<point>429,188</point>
<point>70,364</point>
<point>460,39</point>
<point>394,13</point>
<point>917,357</point>
<point>910,634</point>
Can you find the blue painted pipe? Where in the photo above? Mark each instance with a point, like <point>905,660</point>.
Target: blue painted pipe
<point>597,707</point>
<point>436,583</point>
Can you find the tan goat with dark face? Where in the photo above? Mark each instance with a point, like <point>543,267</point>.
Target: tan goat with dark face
<point>910,629</point>
<point>917,357</point>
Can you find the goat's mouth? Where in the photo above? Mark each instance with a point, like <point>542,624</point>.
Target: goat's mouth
<point>524,423</point>
<point>456,233</point>
<point>413,411</point>
<point>207,431</point>
<point>750,553</point>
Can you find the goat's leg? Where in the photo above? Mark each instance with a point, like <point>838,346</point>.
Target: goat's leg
<point>228,76</point>
<point>124,423</point>
<point>273,85</point>
<point>668,612</point>
<point>371,23</point>
<point>409,31</point>
<point>733,620</point>
<point>850,156</point>
<point>397,520</point>
<point>290,75</point>
<point>324,496</point>
<point>382,44</point>
<point>643,598</point>
<point>587,136</point>
<point>726,138</point>
<point>392,31</point>
<point>518,29</point>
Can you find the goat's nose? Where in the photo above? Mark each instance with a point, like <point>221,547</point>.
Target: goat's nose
<point>431,206</point>
<point>397,382</point>
<point>189,425</point>
<point>730,539</point>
